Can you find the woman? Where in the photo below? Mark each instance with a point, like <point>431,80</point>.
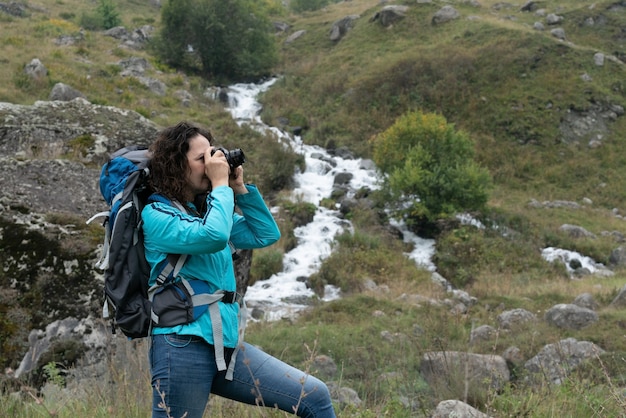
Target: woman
<point>186,360</point>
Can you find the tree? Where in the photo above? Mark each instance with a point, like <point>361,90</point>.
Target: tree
<point>429,169</point>
<point>105,16</point>
<point>109,14</point>
<point>228,39</point>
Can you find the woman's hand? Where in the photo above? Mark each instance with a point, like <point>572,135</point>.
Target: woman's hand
<point>235,181</point>
<point>216,167</point>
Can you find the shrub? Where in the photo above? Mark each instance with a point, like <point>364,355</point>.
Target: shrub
<point>429,168</point>
<point>265,263</point>
<point>106,16</point>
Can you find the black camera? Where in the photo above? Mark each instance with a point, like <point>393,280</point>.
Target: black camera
<point>234,157</point>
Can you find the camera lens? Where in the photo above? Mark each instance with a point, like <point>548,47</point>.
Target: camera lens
<point>235,158</point>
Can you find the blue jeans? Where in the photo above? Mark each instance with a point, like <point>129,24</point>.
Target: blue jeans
<point>184,373</point>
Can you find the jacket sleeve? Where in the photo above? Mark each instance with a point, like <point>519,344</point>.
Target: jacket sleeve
<point>168,230</point>
<point>255,227</point>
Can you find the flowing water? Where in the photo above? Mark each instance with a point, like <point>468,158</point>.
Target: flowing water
<point>286,293</point>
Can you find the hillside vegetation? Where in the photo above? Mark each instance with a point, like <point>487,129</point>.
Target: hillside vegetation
<point>519,93</point>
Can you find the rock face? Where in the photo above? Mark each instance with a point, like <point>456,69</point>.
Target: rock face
<point>76,130</point>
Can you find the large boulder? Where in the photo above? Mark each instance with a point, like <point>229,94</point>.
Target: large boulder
<point>556,361</point>
<point>447,371</point>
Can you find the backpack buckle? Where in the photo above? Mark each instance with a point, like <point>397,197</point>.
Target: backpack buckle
<point>231,297</point>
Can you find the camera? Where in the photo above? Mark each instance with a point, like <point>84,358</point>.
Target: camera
<point>234,157</point>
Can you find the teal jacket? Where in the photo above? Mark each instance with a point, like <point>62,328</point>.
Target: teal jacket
<point>205,239</point>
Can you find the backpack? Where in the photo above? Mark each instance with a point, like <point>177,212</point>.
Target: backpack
<point>169,302</point>
<point>123,184</point>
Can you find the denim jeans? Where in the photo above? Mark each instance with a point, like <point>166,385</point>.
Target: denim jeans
<point>184,373</point>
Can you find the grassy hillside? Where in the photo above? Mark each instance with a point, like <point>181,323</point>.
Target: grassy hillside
<point>491,74</point>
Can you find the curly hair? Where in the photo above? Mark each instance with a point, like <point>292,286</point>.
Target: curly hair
<point>168,163</point>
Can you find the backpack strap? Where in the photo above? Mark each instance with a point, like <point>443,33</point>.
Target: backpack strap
<point>103,261</point>
<point>243,318</point>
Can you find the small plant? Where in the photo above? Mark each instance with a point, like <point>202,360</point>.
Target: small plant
<point>53,374</point>
<point>80,145</point>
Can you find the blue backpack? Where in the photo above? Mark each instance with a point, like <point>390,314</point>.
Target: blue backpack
<point>129,302</point>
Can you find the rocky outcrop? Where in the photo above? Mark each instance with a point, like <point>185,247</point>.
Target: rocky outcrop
<point>76,130</point>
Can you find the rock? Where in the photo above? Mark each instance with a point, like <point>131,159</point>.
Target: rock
<point>453,408</point>
<point>555,361</point>
<point>445,14</point>
<point>133,66</point>
<point>35,184</point>
<point>482,333</point>
<point>294,36</point>
<point>281,26</point>
<point>618,256</point>
<point>589,123</point>
<point>343,396</point>
<point>558,33</point>
<point>515,317</point>
<point>553,19</point>
<point>35,69</point>
<point>55,129</point>
<point>389,15</point>
<point>570,316</point>
<point>576,231</point>
<point>530,6</point>
<point>64,93</point>
<point>441,368</point>
<point>324,366</point>
<point>586,300</point>
<point>342,26</point>
<point>598,59</point>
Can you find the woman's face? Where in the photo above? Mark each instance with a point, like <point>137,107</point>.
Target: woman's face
<point>197,180</point>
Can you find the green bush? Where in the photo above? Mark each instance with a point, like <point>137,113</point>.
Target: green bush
<point>106,16</point>
<point>265,263</point>
<point>429,169</point>
<point>301,213</point>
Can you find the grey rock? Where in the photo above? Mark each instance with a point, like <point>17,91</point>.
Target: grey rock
<point>445,14</point>
<point>453,408</point>
<point>555,361</point>
<point>481,370</point>
<point>65,93</point>
<point>515,317</point>
<point>570,316</point>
